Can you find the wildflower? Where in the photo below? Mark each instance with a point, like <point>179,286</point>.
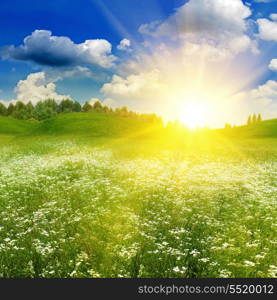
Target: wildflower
<point>249,263</point>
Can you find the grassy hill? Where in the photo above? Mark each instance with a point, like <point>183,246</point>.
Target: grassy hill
<point>87,195</point>
<point>90,124</point>
<point>105,125</point>
<point>266,128</point>
<point>11,126</point>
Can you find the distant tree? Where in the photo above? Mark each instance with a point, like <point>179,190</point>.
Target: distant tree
<point>30,111</point>
<point>122,111</point>
<point>46,109</point>
<point>228,126</point>
<point>76,107</point>
<point>10,109</point>
<point>66,106</point>
<point>249,120</point>
<point>106,109</point>
<point>259,119</point>
<point>19,111</point>
<point>3,110</point>
<point>254,119</point>
<point>97,107</point>
<point>87,107</point>
<point>50,108</point>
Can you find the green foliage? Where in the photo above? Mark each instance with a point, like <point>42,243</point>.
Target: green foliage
<point>10,109</point>
<point>254,119</point>
<point>97,107</point>
<point>49,108</point>
<point>87,107</point>
<point>46,109</point>
<point>67,106</point>
<point>3,110</point>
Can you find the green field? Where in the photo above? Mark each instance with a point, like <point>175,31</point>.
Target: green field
<point>95,195</point>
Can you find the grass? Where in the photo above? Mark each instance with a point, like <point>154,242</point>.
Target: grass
<point>80,197</point>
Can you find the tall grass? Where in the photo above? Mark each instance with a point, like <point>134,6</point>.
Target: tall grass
<point>75,209</point>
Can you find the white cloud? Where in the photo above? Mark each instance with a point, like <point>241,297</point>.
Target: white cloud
<point>263,99</point>
<point>218,22</point>
<point>36,88</point>
<point>273,65</point>
<point>61,73</point>
<point>111,103</point>
<point>144,91</point>
<point>91,101</point>
<point>273,17</point>
<point>196,63</point>
<point>106,102</point>
<point>267,30</point>
<point>133,86</point>
<point>124,45</point>
<point>46,49</point>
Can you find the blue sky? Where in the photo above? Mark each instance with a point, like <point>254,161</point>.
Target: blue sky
<point>56,31</point>
<point>78,19</point>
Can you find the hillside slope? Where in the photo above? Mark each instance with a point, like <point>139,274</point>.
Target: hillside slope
<point>266,128</point>
<point>91,124</point>
<point>12,126</point>
<point>105,125</point>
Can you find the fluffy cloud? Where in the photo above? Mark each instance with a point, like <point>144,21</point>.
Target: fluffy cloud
<point>273,17</point>
<point>195,63</point>
<point>220,22</point>
<point>273,65</point>
<point>92,100</point>
<point>263,99</point>
<point>46,49</point>
<point>267,29</point>
<point>124,45</point>
<point>134,86</point>
<point>36,88</point>
<point>144,91</point>
<point>106,102</point>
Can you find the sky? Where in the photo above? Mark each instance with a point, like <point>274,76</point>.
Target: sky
<point>216,59</point>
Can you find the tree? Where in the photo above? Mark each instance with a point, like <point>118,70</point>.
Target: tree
<point>259,119</point>
<point>30,111</point>
<point>249,120</point>
<point>254,119</point>
<point>3,110</point>
<point>87,107</point>
<point>97,107</point>
<point>46,109</point>
<point>66,106</point>
<point>122,111</point>
<point>19,111</point>
<point>228,126</point>
<point>10,109</point>
<point>76,107</point>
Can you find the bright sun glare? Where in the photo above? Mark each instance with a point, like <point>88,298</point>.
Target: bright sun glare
<point>192,114</point>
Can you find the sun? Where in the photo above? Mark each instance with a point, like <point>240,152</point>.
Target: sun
<point>192,114</point>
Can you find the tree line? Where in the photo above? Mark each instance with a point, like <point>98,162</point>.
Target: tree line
<point>254,119</point>
<point>50,108</point>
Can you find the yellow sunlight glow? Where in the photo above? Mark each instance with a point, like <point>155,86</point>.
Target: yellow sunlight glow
<point>192,114</point>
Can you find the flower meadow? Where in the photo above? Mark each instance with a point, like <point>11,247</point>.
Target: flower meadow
<point>72,210</point>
